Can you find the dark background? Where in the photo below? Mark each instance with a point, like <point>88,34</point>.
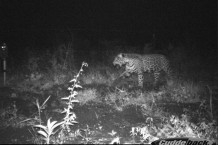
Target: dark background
<point>38,23</point>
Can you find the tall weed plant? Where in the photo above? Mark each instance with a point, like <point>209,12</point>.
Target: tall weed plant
<point>48,131</point>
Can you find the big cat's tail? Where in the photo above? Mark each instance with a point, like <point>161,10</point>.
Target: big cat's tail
<point>169,71</point>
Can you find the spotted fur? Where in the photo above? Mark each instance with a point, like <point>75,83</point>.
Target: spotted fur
<point>136,63</point>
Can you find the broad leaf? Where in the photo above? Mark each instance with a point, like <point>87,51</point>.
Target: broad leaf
<point>66,98</point>
<point>73,80</point>
<point>56,125</point>
<point>78,86</point>
<point>41,126</point>
<point>50,126</point>
<point>76,101</point>
<point>43,133</point>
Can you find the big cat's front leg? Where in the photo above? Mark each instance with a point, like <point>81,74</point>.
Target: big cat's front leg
<point>125,73</point>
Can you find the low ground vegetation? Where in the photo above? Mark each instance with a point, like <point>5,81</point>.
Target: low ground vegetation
<point>59,104</point>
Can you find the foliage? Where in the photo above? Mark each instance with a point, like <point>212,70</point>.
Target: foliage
<point>156,121</point>
<point>38,76</point>
<point>99,75</point>
<point>182,92</point>
<point>48,130</point>
<point>8,116</point>
<point>121,98</point>
<point>87,95</point>
<point>70,116</point>
<point>175,127</point>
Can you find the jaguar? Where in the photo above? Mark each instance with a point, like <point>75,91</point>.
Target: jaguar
<point>137,63</point>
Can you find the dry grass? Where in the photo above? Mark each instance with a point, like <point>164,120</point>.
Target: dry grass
<point>87,96</point>
<point>185,91</point>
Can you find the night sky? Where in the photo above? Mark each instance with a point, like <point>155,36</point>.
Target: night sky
<point>37,21</point>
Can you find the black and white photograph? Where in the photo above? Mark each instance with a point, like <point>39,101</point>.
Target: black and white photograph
<point>109,72</point>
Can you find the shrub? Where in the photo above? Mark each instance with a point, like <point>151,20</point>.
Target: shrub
<point>175,127</point>
<point>70,116</point>
<point>99,75</point>
<point>185,91</point>
<point>87,95</point>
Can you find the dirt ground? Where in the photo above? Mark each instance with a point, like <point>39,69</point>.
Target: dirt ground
<point>99,118</point>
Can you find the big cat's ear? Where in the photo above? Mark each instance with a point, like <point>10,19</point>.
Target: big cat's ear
<point>121,55</point>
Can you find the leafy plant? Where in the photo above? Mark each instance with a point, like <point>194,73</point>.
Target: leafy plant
<point>87,95</point>
<point>48,131</point>
<point>40,108</point>
<point>145,132</point>
<point>185,91</point>
<point>70,116</point>
<point>9,115</point>
<point>173,127</point>
<point>69,119</point>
